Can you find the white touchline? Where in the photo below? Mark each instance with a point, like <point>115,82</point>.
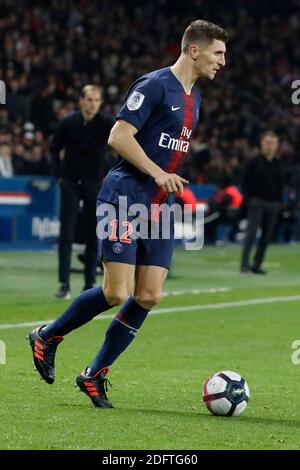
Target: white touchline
<point>190,308</point>
<point>205,290</point>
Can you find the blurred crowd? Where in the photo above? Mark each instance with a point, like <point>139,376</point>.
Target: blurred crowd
<point>49,50</point>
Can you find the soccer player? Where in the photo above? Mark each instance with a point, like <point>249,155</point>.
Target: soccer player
<point>152,135</point>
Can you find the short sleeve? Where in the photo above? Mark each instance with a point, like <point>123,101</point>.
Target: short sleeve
<point>142,98</point>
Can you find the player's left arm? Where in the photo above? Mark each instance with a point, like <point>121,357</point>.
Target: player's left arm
<point>123,141</point>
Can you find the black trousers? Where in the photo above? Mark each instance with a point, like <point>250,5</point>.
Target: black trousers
<point>71,193</point>
<point>261,214</point>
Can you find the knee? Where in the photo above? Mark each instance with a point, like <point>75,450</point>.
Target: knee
<point>115,297</point>
<point>148,299</point>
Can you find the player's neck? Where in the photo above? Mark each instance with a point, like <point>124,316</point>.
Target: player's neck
<point>183,71</point>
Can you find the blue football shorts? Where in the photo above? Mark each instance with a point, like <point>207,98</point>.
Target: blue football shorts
<point>121,239</point>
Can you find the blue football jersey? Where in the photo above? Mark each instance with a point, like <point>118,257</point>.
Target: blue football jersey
<point>165,116</point>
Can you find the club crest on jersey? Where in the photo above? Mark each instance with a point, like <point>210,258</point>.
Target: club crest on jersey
<point>135,101</point>
<point>117,247</point>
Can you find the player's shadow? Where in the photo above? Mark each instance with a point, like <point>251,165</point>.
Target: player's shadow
<point>295,423</point>
<point>196,415</point>
<point>153,412</point>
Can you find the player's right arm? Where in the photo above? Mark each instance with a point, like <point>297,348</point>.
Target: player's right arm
<point>123,141</point>
<point>144,96</point>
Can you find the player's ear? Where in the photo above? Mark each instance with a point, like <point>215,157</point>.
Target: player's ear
<point>194,51</point>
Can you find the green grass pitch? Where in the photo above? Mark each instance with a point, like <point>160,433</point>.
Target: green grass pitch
<point>157,382</point>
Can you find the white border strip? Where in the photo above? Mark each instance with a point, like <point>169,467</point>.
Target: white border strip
<point>208,290</point>
<point>190,308</point>
<point>15,200</point>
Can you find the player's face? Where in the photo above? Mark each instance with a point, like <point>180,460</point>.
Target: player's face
<point>269,145</point>
<point>210,58</point>
<point>90,103</point>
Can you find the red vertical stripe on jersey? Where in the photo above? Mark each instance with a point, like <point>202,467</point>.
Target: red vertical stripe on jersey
<point>177,156</point>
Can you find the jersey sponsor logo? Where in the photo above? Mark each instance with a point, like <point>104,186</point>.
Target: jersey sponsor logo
<point>175,109</point>
<point>186,132</point>
<point>135,101</point>
<point>169,142</point>
<point>180,145</point>
<point>118,247</point>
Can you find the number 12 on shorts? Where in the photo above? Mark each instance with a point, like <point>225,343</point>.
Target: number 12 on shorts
<point>124,237</point>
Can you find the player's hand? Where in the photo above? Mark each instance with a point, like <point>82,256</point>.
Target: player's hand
<point>171,183</point>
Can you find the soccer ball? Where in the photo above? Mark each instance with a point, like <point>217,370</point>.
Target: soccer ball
<point>226,393</point>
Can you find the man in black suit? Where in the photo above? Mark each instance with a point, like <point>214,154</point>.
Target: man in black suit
<point>83,135</point>
<point>262,189</point>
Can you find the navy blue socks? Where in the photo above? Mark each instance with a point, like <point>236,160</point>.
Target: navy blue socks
<point>86,306</point>
<point>119,335</point>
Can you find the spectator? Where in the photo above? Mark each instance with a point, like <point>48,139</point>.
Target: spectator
<point>6,167</point>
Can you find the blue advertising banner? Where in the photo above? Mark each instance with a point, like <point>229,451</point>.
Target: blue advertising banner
<point>29,211</point>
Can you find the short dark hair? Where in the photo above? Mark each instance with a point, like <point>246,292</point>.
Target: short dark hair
<point>202,31</point>
<point>87,88</point>
<point>268,133</point>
